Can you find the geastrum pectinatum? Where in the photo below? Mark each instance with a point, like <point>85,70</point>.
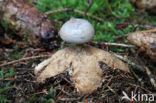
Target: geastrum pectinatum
<point>81,61</point>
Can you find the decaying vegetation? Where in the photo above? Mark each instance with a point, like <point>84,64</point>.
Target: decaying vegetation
<point>146,40</point>
<point>149,5</point>
<point>26,20</point>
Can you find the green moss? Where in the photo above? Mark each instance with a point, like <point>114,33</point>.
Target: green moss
<point>5,85</point>
<point>7,74</point>
<point>3,100</point>
<point>101,8</point>
<point>5,24</point>
<point>17,53</point>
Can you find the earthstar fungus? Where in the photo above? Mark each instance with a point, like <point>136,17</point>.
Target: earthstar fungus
<point>81,61</point>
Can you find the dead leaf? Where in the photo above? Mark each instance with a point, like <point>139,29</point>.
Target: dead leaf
<point>10,78</point>
<point>145,5</point>
<point>82,63</point>
<point>25,19</point>
<point>146,40</point>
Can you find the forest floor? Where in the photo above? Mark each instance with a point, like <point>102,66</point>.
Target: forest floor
<point>18,81</point>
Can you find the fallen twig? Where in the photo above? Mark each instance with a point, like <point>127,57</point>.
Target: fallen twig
<point>68,99</point>
<point>147,27</point>
<point>23,59</point>
<point>88,4</point>
<point>139,67</point>
<point>150,77</point>
<point>120,36</point>
<point>140,87</point>
<point>117,44</point>
<point>76,11</point>
<point>109,7</point>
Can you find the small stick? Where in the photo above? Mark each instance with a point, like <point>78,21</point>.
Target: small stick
<point>109,7</point>
<point>68,99</point>
<point>85,1</point>
<point>76,11</point>
<point>89,5</point>
<point>140,87</point>
<point>147,27</point>
<point>117,44</point>
<point>139,67</point>
<point>121,36</point>
<point>23,59</point>
<point>150,77</point>
<point>151,30</point>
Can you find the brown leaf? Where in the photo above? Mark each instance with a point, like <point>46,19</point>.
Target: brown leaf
<point>146,40</point>
<point>24,18</point>
<point>10,78</point>
<point>145,5</point>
